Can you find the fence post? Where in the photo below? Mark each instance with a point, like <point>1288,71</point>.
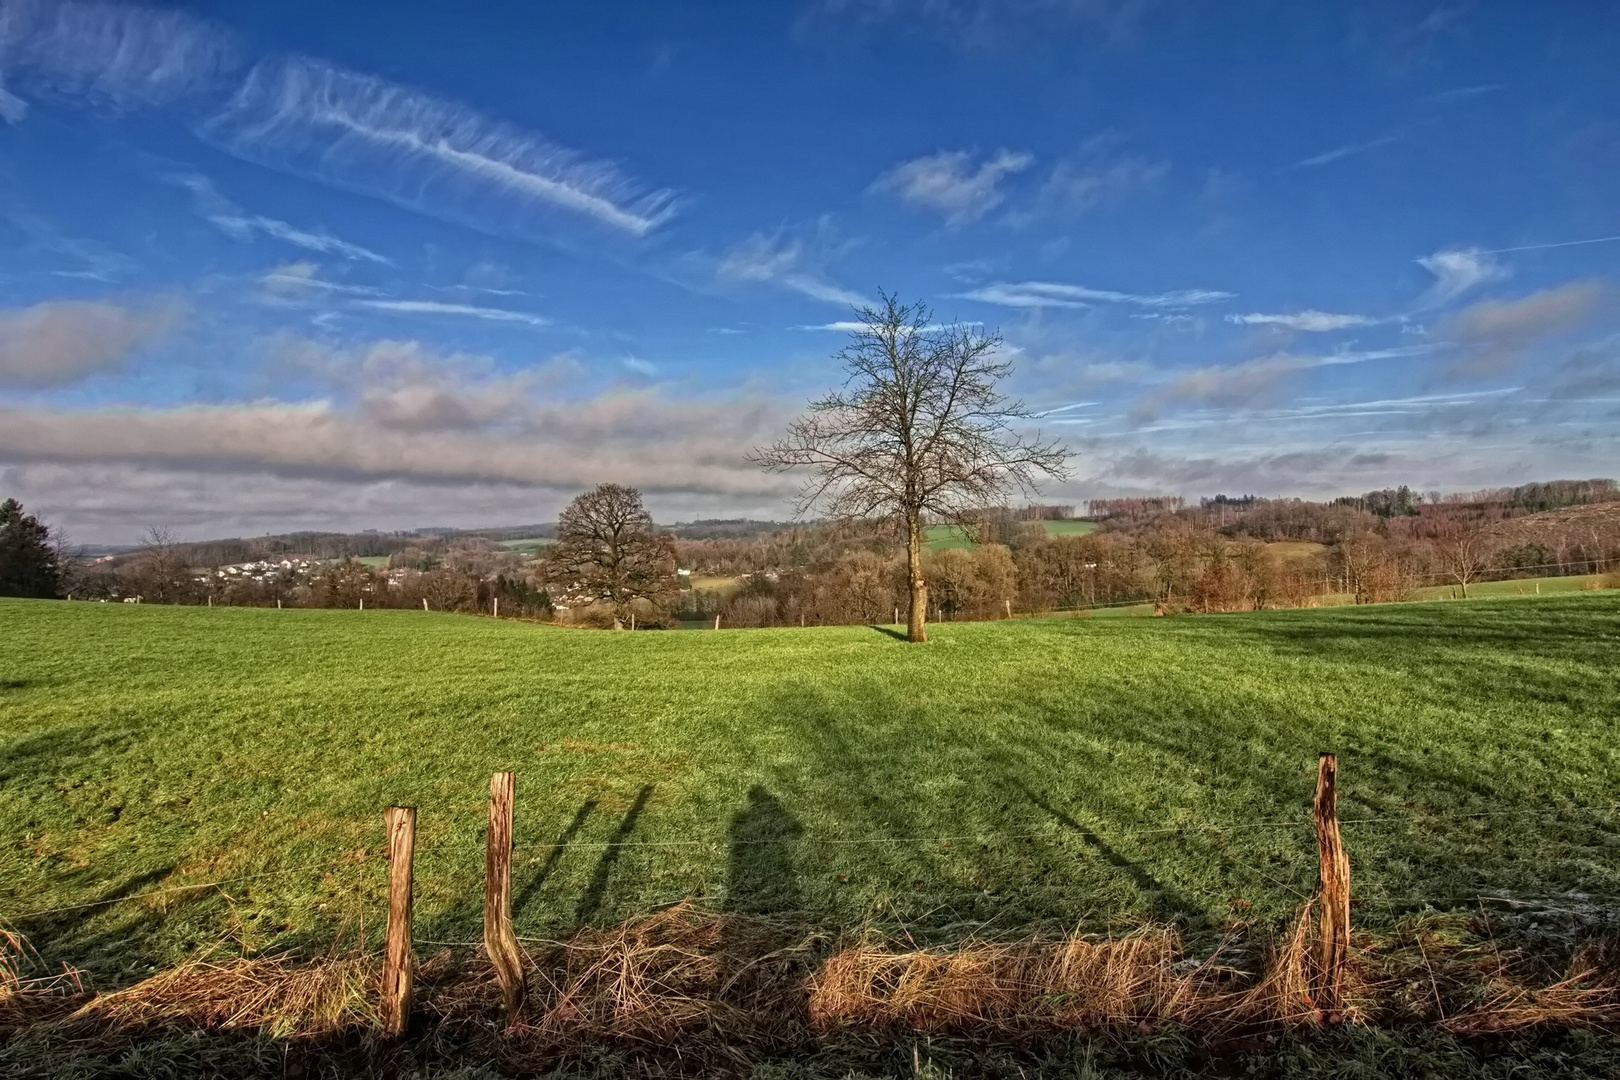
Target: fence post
<point>1334,890</point>
<point>717,622</point>
<point>499,939</point>
<point>399,963</point>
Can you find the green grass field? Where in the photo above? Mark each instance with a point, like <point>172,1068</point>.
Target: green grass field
<point>1062,772</point>
<point>942,537</point>
<point>530,545</point>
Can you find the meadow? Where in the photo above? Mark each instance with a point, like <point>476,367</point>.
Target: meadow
<point>1062,773</point>
<point>948,537</point>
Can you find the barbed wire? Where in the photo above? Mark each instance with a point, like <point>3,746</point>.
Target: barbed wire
<point>1059,831</point>
<point>181,888</point>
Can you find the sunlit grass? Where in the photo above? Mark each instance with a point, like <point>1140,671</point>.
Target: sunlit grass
<point>1091,772</point>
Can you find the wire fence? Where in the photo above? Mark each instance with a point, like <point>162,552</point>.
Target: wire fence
<point>1107,830</point>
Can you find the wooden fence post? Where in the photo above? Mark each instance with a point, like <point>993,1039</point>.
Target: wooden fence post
<point>1334,891</point>
<point>717,622</point>
<point>499,939</point>
<point>399,963</point>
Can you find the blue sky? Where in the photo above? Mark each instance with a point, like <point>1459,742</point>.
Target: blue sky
<point>299,264</point>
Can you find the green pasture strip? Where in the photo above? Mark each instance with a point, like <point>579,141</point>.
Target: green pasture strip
<point>1080,772</point>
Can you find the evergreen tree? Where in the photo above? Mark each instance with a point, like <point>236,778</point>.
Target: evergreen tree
<point>28,565</point>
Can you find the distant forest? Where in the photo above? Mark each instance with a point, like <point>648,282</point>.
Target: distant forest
<point>1222,553</point>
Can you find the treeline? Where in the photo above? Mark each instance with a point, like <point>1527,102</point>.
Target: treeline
<point>1225,554</point>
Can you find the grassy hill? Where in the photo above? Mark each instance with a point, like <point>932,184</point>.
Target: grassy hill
<point>1063,772</point>
<point>941,537</point>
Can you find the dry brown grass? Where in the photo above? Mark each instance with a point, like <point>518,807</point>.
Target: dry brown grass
<point>716,983</point>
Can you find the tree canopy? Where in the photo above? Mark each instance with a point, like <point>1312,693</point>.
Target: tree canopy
<point>28,560</point>
<point>919,430</point>
<point>609,552</point>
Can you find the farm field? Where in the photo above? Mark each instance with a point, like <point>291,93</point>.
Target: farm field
<point>1060,773</point>
<point>943,537</point>
<point>529,545</point>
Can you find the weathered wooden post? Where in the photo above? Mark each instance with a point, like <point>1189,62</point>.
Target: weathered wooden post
<point>399,962</point>
<point>717,622</point>
<point>1333,947</point>
<point>495,606</point>
<point>424,603</point>
<point>499,939</point>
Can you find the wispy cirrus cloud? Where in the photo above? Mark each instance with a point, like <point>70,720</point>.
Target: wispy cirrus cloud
<point>1311,321</point>
<point>429,155</point>
<point>952,184</point>
<point>1345,151</point>
<point>238,224</point>
<point>303,278</point>
<point>1050,294</point>
<point>1252,382</point>
<point>111,55</point>
<point>787,260</point>
<point>467,311</point>
<point>1456,271</point>
<point>58,342</point>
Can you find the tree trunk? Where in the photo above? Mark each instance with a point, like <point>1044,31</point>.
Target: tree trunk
<point>915,630</point>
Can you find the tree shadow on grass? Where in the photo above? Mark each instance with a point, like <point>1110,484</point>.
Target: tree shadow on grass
<point>532,887</point>
<point>590,903</point>
<point>898,635</point>
<point>1165,903</point>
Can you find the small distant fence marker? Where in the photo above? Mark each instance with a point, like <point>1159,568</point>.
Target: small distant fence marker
<point>717,622</point>
<point>399,962</point>
<point>1334,891</point>
<point>495,606</point>
<point>500,941</point>
<point>424,603</point>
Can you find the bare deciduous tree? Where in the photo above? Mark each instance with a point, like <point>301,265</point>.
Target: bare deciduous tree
<point>920,429</point>
<point>161,571</point>
<point>608,551</point>
<point>1465,551</point>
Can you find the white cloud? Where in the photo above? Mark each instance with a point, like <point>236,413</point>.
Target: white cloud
<point>1049,294</point>
<point>1310,320</point>
<point>62,341</point>
<point>1345,151</point>
<point>1458,270</point>
<point>299,278</point>
<point>111,55</point>
<point>470,311</point>
<point>1252,382</point>
<point>640,366</point>
<point>1497,334</point>
<point>1076,185</point>
<point>238,224</point>
<point>424,434</point>
<point>13,109</point>
<point>432,156</point>
<point>951,185</point>
<point>783,259</point>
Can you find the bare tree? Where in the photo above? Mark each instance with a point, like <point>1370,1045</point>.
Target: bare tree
<point>1465,551</point>
<point>161,570</point>
<point>609,552</point>
<point>919,430</point>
